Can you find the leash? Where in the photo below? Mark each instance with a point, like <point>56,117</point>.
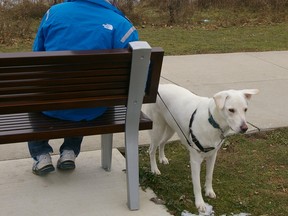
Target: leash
<point>194,139</point>
<point>187,140</point>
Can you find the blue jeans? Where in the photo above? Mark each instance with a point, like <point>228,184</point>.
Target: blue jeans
<point>39,147</point>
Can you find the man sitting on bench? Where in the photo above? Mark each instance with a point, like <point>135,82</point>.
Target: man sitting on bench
<point>77,25</point>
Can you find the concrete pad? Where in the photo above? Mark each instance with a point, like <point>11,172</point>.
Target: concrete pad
<point>87,191</point>
<point>274,57</point>
<point>197,71</point>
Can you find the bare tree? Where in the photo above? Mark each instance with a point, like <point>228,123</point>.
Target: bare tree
<point>175,7</point>
<point>129,4</point>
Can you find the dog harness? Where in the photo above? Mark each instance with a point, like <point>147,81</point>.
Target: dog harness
<point>195,140</point>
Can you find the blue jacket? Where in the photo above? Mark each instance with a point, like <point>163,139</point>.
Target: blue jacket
<point>83,25</point>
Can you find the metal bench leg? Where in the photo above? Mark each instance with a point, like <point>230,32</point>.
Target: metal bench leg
<point>139,73</point>
<point>132,164</point>
<point>106,151</point>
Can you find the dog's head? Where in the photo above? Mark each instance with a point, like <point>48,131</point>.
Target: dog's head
<point>232,106</point>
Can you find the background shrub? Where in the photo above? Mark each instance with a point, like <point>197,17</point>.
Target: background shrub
<point>19,21</point>
<point>190,12</point>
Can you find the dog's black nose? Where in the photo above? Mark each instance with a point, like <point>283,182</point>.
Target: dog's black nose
<point>243,128</point>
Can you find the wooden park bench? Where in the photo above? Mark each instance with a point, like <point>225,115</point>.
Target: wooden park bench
<point>123,79</point>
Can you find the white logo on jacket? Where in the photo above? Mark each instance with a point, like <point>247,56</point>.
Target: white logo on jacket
<point>108,26</point>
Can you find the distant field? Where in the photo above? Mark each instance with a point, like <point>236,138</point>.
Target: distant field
<point>183,41</point>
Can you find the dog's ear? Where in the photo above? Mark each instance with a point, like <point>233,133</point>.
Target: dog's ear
<point>249,92</point>
<point>220,99</point>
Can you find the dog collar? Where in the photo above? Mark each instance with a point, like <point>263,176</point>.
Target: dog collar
<point>194,139</point>
<point>215,124</point>
<point>212,121</point>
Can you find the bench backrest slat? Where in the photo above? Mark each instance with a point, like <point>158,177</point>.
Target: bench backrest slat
<point>66,58</point>
<point>35,81</point>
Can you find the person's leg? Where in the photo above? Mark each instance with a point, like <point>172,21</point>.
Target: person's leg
<point>39,151</point>
<point>72,143</point>
<point>69,150</point>
<point>39,147</point>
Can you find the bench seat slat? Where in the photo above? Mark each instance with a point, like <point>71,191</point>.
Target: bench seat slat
<point>31,126</point>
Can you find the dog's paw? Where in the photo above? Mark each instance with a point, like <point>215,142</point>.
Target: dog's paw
<point>201,206</point>
<point>207,210</point>
<point>210,193</point>
<point>155,171</point>
<point>164,160</point>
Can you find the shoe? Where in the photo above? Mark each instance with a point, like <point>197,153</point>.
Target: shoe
<point>43,165</point>
<point>66,160</point>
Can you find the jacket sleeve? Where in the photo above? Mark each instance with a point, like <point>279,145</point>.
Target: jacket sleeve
<point>40,39</point>
<point>124,34</point>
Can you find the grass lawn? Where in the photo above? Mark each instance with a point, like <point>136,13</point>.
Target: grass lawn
<point>251,176</point>
<point>183,41</point>
<point>205,39</point>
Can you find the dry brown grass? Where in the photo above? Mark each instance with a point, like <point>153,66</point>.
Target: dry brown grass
<point>171,12</point>
<point>16,21</point>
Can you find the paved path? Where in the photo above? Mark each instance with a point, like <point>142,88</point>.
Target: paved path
<point>207,74</point>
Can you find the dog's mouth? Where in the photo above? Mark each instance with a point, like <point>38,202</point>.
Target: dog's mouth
<point>241,131</point>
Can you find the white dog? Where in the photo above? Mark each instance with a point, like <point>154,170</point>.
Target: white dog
<point>201,123</point>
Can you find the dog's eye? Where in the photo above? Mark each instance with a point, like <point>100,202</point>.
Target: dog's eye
<point>231,110</point>
<point>245,110</point>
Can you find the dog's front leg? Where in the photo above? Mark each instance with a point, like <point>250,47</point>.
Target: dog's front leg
<point>195,162</point>
<point>210,162</point>
<point>153,163</point>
